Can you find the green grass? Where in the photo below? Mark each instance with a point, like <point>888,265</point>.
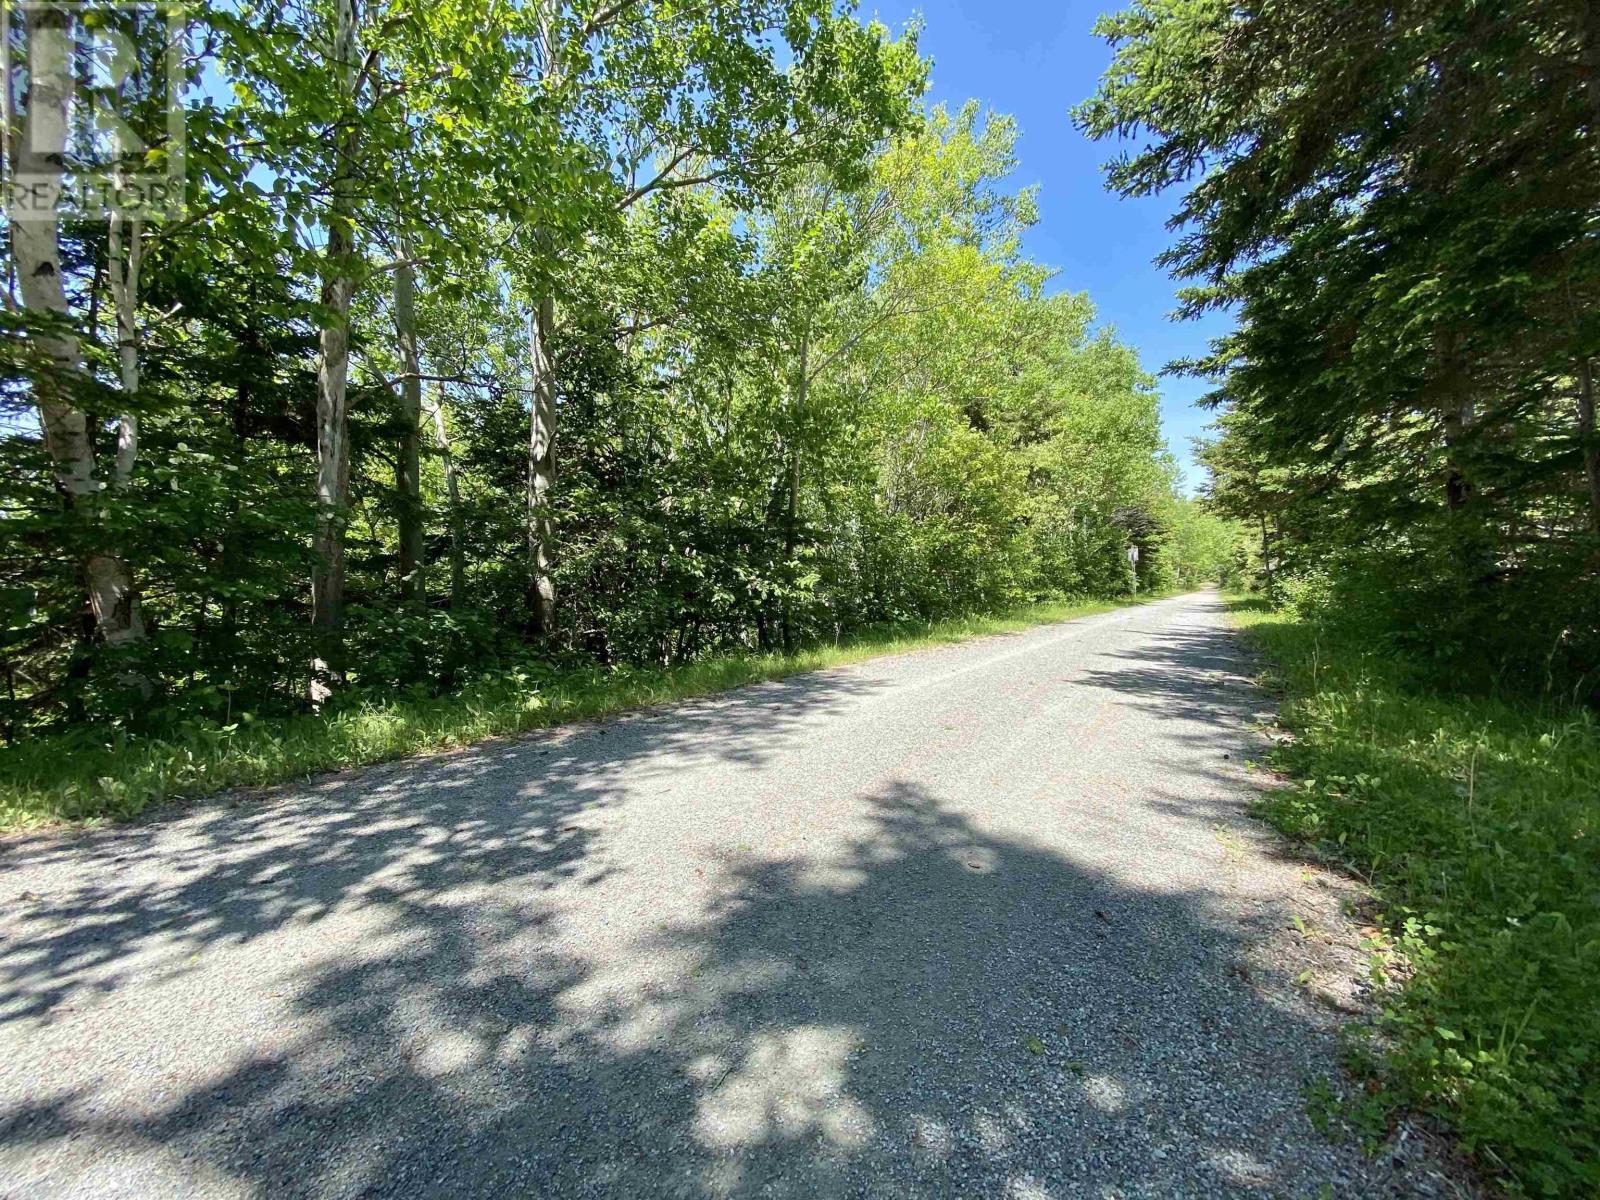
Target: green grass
<point>1475,822</point>
<point>74,778</point>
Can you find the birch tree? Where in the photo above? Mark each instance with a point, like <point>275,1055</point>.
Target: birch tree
<point>333,364</point>
<point>39,163</point>
<point>673,98</point>
<point>541,464</point>
<point>420,270</point>
<point>458,554</point>
<point>412,577</point>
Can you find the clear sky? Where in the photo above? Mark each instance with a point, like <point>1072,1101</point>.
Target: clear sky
<point>1035,59</point>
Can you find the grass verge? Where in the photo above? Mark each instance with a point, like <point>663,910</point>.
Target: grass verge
<point>1475,822</point>
<point>79,777</point>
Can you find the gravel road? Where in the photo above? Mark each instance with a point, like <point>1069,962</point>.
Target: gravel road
<point>982,920</point>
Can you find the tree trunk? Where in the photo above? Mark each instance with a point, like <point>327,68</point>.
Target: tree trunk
<point>413,580</point>
<point>541,467</point>
<point>39,162</point>
<point>1458,484</point>
<point>1586,438</point>
<point>1446,393</point>
<point>125,252</point>
<point>35,243</point>
<point>249,360</point>
<point>124,248</point>
<point>542,404</point>
<point>1266,554</point>
<point>458,560</point>
<point>333,366</point>
<point>791,513</point>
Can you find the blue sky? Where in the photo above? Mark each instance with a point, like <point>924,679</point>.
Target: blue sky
<point>1035,59</point>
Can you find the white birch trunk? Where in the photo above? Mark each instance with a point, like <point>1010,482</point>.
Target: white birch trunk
<point>39,164</point>
<point>36,245</point>
<point>125,249</point>
<point>333,366</point>
<point>412,579</point>
<point>452,491</point>
<point>541,466</point>
<point>791,513</point>
<point>542,407</point>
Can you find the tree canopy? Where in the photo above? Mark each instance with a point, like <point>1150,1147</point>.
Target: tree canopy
<point>597,332</point>
<point>1400,204</point>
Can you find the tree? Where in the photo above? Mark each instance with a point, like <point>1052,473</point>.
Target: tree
<point>60,381</point>
<point>775,319</point>
<point>1397,203</point>
<point>673,98</point>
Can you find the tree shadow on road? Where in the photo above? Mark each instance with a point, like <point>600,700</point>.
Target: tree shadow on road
<point>1201,674</point>
<point>934,1011</point>
<point>119,903</point>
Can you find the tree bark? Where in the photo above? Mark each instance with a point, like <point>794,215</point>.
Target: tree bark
<point>542,404</point>
<point>1458,484</point>
<point>541,468</point>
<point>1445,391</point>
<point>35,238</point>
<point>35,242</point>
<point>124,248</point>
<point>1266,554</point>
<point>791,513</point>
<point>125,252</point>
<point>1586,438</point>
<point>458,559</point>
<point>333,366</point>
<point>413,581</point>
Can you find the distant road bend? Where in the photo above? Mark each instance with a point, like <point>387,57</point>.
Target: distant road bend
<point>983,920</point>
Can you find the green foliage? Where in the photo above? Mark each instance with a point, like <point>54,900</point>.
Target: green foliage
<point>1397,203</point>
<point>1201,544</point>
<point>1475,821</point>
<point>805,383</point>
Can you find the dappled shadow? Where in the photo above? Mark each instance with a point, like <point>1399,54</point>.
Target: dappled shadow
<point>541,967</point>
<point>935,1011</point>
<point>1197,677</point>
<point>147,896</point>
<point>1197,673</point>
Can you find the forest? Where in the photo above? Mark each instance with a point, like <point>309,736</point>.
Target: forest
<point>439,371</point>
<point>1399,204</point>
<point>488,337</point>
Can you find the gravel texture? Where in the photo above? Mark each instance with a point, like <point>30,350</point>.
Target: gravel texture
<point>982,920</point>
